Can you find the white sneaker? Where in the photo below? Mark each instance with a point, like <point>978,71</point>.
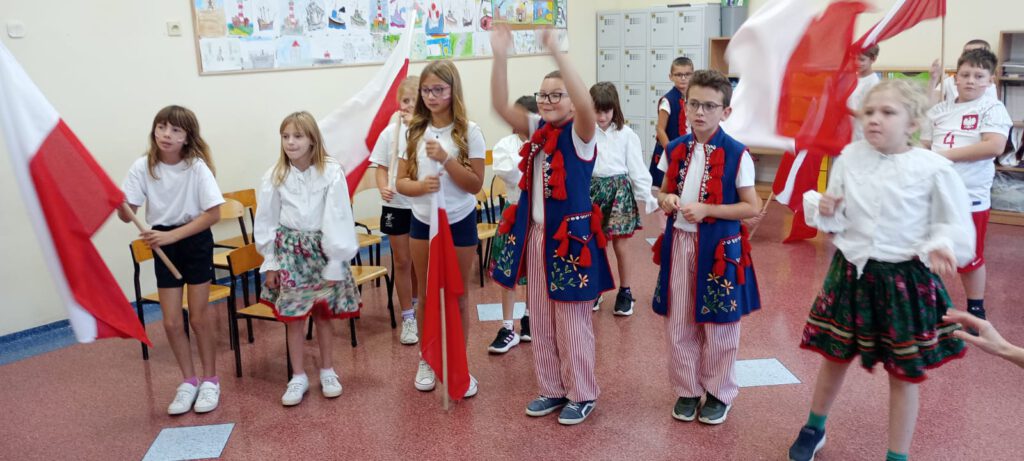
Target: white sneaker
<point>297,387</point>
<point>183,399</point>
<point>424,377</point>
<point>473,387</point>
<point>209,397</point>
<point>409,335</point>
<point>597,304</point>
<point>329,383</point>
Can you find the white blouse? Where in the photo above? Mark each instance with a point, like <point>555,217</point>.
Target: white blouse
<point>505,165</point>
<point>895,207</point>
<point>307,201</point>
<point>619,152</point>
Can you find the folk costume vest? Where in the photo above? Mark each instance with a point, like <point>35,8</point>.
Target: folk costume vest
<point>675,128</point>
<point>574,242</point>
<point>725,287</point>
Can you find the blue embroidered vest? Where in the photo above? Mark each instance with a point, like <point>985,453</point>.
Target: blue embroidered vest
<point>574,256</point>
<point>675,128</point>
<point>725,286</point>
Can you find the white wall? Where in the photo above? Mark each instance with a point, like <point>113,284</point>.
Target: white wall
<point>108,66</point>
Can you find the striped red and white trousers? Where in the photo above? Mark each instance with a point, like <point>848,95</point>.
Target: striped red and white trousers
<point>701,355</point>
<point>563,335</point>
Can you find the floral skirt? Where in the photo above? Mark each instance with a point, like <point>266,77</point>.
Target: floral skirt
<point>614,195</point>
<point>891,314</point>
<point>498,246</point>
<point>303,289</point>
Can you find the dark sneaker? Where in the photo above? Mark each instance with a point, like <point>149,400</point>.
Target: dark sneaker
<point>542,406</point>
<point>978,312</point>
<point>808,443</point>
<point>507,339</point>
<point>576,412</point>
<point>686,408</point>
<point>524,329</point>
<point>624,303</point>
<point>713,411</point>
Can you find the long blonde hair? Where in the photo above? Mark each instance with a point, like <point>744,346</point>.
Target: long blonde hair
<point>304,122</point>
<point>194,148</point>
<point>446,71</point>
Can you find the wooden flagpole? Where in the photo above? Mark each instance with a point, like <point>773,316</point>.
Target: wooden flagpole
<point>444,357</point>
<point>160,253</point>
<point>393,169</point>
<point>764,210</point>
<point>942,62</point>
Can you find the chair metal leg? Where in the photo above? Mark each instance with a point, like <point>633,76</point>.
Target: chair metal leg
<point>288,355</point>
<point>248,327</point>
<point>377,262</point>
<point>238,349</point>
<point>480,258</point>
<point>391,303</point>
<point>184,316</point>
<point>309,332</point>
<point>352,328</point>
<point>142,321</point>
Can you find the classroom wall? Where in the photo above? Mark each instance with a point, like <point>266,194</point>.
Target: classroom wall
<point>108,66</point>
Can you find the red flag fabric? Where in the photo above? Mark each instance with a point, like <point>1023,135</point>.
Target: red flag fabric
<point>351,131</point>
<point>903,15</point>
<point>68,197</point>
<point>444,287</point>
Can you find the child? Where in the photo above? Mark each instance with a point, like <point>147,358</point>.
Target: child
<point>671,114</point>
<point>305,231</point>
<point>620,181</point>
<point>896,212</point>
<point>396,215</point>
<point>175,181</point>
<point>948,90</point>
<point>988,339</point>
<point>866,79</point>
<point>706,283</point>
<point>554,231</point>
<point>506,166</point>
<point>971,131</point>
<point>446,150</point>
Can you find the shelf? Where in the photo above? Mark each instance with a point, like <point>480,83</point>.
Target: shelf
<point>1012,218</point>
<point>767,152</point>
<point>716,54</point>
<point>1012,169</point>
<point>1011,79</point>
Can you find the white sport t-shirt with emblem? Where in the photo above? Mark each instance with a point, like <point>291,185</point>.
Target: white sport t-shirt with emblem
<point>951,125</point>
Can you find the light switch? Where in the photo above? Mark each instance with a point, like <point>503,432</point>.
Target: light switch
<point>15,29</point>
<point>173,28</point>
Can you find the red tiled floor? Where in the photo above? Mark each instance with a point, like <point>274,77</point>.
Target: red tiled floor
<point>101,401</point>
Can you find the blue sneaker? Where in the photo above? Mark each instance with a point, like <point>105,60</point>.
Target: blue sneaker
<point>808,443</point>
<point>542,406</point>
<point>576,412</point>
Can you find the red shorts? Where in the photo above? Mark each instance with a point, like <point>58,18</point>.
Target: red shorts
<point>980,219</point>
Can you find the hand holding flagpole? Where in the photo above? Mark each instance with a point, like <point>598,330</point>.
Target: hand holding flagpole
<point>127,210</point>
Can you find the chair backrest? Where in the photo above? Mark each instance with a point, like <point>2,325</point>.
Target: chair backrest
<point>140,251</point>
<point>244,259</point>
<point>247,197</point>
<point>499,191</point>
<point>231,209</point>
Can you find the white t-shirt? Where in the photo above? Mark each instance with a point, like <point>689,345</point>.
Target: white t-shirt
<point>505,164</point>
<point>584,150</point>
<point>694,174</point>
<point>856,101</point>
<point>183,191</point>
<point>381,156</point>
<point>951,125</point>
<point>458,202</point>
<point>950,92</point>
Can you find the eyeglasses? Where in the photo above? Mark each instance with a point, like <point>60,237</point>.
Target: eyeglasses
<point>435,91</point>
<point>550,98</point>
<point>707,106</point>
<point>685,75</point>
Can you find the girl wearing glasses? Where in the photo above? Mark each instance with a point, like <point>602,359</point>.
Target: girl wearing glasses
<point>554,233</point>
<point>444,152</point>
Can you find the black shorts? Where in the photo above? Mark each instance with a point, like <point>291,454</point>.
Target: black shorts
<point>193,256</point>
<point>395,221</point>
<point>464,233</point>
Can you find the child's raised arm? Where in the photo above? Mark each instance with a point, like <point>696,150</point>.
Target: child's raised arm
<point>501,41</point>
<point>586,119</point>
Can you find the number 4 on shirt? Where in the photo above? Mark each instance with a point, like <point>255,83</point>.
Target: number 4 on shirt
<point>949,140</point>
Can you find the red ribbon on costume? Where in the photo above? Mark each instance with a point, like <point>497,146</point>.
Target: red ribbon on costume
<point>508,219</point>
<point>745,260</point>
<point>656,248</point>
<point>681,125</point>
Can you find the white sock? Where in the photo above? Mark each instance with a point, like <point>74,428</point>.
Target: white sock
<point>326,371</point>
<point>507,324</point>
<point>301,376</point>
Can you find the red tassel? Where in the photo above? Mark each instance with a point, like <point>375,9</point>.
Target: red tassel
<point>719,267</point>
<point>672,176</point>
<point>557,179</point>
<point>656,248</point>
<point>596,229</point>
<point>563,248</point>
<point>508,219</point>
<point>682,117</point>
<point>585,256</point>
<point>551,143</point>
<point>563,230</point>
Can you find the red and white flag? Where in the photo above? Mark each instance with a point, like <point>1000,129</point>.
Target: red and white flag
<point>444,286</point>
<point>903,15</point>
<point>351,131</point>
<point>68,197</point>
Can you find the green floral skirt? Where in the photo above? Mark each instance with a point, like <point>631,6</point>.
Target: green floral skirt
<point>614,195</point>
<point>891,314</point>
<point>303,290</point>
<point>498,246</point>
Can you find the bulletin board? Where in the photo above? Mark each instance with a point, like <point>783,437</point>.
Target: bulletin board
<point>264,35</point>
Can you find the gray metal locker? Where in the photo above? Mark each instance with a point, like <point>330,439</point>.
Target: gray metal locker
<point>659,62</point>
<point>609,65</point>
<point>689,27</point>
<point>634,24</point>
<point>638,125</point>
<point>696,54</point>
<point>662,28</point>
<point>633,65</point>
<point>655,92</point>
<point>652,131</point>
<point>609,29</point>
<point>633,99</point>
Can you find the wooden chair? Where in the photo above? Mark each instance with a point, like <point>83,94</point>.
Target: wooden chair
<point>140,253</point>
<point>369,182</point>
<point>370,223</point>
<point>247,197</point>
<point>486,229</point>
<point>500,191</point>
<point>231,209</point>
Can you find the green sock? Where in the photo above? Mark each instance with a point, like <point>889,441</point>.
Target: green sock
<point>816,421</point>
<point>890,456</point>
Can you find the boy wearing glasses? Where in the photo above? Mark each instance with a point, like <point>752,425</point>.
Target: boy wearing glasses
<point>706,282</point>
<point>671,113</point>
